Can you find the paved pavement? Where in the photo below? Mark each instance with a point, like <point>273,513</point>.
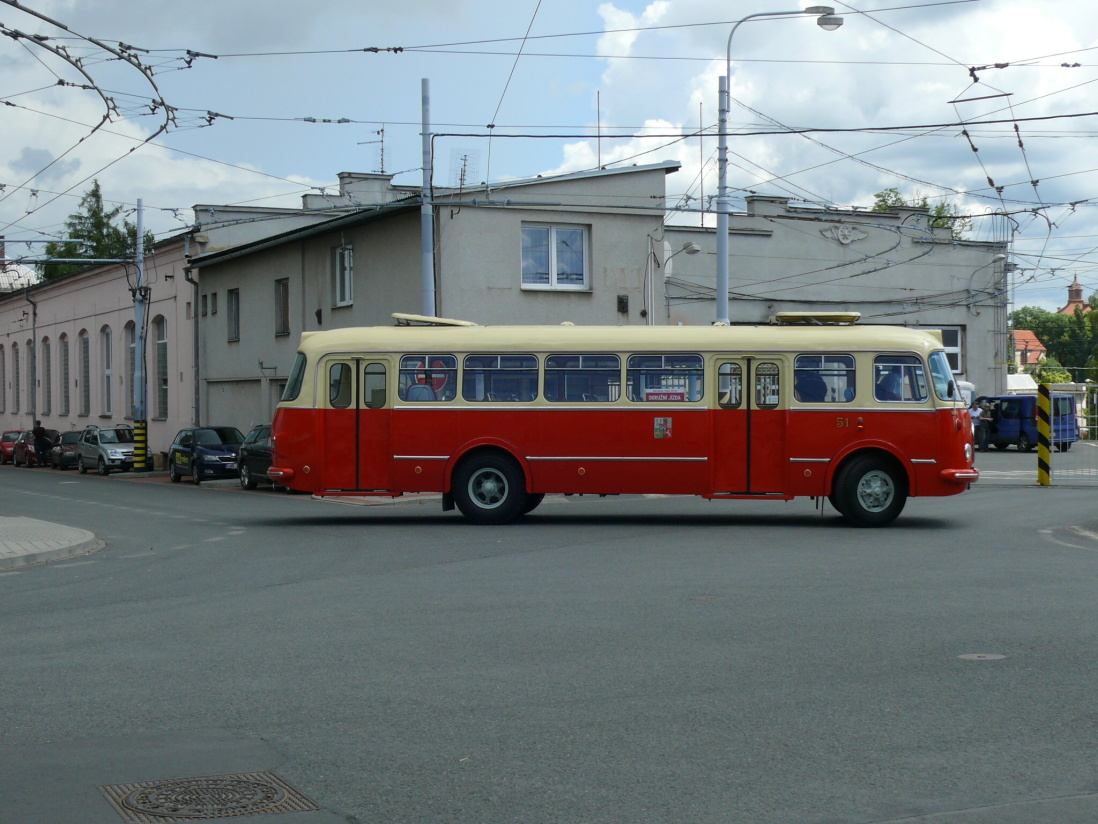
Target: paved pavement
<point>26,541</point>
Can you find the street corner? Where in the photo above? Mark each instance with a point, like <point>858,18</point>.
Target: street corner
<point>26,541</point>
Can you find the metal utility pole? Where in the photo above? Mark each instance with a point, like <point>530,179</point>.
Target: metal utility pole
<point>427,210</point>
<point>140,300</point>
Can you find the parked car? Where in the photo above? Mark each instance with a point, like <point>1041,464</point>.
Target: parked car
<point>205,452</point>
<point>105,449</point>
<point>24,452</point>
<point>7,444</point>
<point>255,457</point>
<point>66,452</point>
<point>1014,421</point>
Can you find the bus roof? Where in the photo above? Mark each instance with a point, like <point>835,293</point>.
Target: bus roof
<point>569,338</point>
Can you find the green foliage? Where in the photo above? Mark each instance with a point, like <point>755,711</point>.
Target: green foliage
<point>95,233</point>
<point>942,213</point>
<point>1050,371</point>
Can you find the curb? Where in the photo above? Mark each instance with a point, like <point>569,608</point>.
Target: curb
<point>27,541</point>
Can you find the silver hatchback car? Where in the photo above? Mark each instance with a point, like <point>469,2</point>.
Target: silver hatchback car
<point>106,449</point>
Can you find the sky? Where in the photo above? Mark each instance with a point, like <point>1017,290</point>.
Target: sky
<point>985,105</point>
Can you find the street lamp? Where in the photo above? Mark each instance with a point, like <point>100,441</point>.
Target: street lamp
<point>827,20</point>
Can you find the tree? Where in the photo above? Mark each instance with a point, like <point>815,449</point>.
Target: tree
<point>1071,340</point>
<point>1050,371</point>
<point>93,232</point>
<point>942,214</point>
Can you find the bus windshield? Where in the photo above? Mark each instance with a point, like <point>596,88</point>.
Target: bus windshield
<point>942,376</point>
<point>297,374</point>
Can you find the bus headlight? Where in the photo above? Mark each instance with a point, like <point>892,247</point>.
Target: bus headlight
<point>968,452</point>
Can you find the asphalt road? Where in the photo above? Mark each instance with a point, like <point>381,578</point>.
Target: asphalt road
<point>607,660</point>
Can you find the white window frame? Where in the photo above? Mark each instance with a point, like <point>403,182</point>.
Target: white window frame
<point>160,329</point>
<point>343,275</point>
<point>553,283</point>
<point>15,378</point>
<point>85,374</point>
<point>106,345</point>
<point>47,378</point>
<point>65,374</point>
<point>232,309</point>
<point>282,306</point>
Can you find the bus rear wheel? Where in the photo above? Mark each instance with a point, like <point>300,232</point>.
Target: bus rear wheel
<point>870,491</point>
<point>490,489</point>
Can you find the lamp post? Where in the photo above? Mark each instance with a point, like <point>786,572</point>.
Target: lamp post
<point>827,20</point>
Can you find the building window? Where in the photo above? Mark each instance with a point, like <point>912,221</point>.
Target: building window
<point>343,275</point>
<point>554,257</point>
<point>3,380</point>
<point>15,374</point>
<point>63,356</point>
<point>232,306</point>
<point>85,374</point>
<point>282,306</point>
<point>106,362</point>
<point>213,303</point>
<point>160,330</point>
<point>47,378</point>
<point>953,343</point>
<point>205,303</point>
<point>131,366</point>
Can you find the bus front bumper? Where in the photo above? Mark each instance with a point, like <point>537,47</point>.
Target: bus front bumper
<point>960,476</point>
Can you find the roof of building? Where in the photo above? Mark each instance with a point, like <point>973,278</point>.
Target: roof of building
<point>1027,344</point>
<point>409,204</point>
<point>15,276</point>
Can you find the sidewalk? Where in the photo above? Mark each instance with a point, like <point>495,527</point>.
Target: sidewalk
<point>25,541</point>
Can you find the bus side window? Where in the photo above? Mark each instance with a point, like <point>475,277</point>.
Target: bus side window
<point>373,386</point>
<point>665,378</point>
<point>823,378</point>
<point>427,378</point>
<point>899,378</point>
<point>507,378</point>
<point>730,385</point>
<point>339,385</point>
<point>591,378</point>
<point>767,395</point>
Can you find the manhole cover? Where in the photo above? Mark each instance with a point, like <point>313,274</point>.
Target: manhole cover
<point>205,797</point>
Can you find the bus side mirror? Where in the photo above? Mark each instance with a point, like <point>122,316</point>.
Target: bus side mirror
<point>952,390</point>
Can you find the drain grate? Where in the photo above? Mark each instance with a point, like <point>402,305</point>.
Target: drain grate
<point>205,797</point>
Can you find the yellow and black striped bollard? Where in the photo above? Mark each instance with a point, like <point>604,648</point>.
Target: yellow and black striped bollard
<point>140,444</point>
<point>1044,434</point>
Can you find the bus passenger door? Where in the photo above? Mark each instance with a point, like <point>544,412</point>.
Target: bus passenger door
<point>355,431</point>
<point>749,427</point>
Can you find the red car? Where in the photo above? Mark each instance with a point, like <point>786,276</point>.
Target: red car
<point>7,444</point>
<point>24,453</point>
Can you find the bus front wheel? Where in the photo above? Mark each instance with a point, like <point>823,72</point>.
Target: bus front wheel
<point>490,489</point>
<point>870,491</point>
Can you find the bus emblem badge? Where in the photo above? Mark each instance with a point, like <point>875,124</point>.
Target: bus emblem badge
<point>662,428</point>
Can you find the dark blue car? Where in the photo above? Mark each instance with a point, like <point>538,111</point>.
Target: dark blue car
<point>1014,421</point>
<point>205,452</point>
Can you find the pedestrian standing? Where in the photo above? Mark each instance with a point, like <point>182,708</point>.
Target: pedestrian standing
<point>983,429</point>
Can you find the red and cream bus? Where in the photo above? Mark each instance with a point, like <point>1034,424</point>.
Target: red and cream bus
<point>495,417</point>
